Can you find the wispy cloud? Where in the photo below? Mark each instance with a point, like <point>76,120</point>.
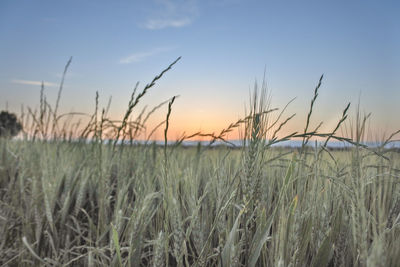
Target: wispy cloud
<point>36,83</point>
<point>171,14</point>
<point>140,56</point>
<point>155,24</point>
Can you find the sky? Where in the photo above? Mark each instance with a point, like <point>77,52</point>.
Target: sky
<point>226,46</point>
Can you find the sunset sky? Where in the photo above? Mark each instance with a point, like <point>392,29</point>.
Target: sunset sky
<point>226,45</point>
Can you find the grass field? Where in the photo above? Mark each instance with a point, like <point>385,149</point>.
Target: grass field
<point>69,202</point>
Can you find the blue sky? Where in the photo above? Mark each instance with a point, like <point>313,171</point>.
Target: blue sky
<point>225,46</point>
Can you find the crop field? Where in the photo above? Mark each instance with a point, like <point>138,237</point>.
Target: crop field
<point>67,201</point>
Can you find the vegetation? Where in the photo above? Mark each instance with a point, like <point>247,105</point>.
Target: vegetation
<point>67,201</point>
<point>9,126</point>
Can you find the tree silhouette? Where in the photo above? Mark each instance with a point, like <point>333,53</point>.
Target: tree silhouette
<point>9,125</point>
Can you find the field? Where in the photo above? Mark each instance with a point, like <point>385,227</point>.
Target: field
<point>69,202</point>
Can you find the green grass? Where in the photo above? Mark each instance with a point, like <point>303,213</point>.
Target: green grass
<point>72,203</point>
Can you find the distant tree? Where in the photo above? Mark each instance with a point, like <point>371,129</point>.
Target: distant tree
<point>9,125</point>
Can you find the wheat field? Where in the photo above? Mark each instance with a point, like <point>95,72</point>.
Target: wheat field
<point>91,196</point>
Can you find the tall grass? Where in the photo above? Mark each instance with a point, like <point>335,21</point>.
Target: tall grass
<point>65,201</point>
